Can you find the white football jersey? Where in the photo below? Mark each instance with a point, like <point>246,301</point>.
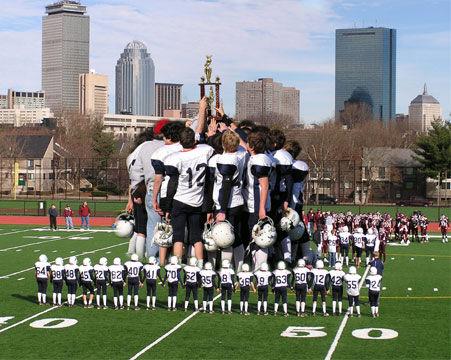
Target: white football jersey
<point>374,282</point>
<point>57,272</point>
<point>262,277</point>
<point>332,241</point>
<point>147,150</point>
<point>300,275</point>
<point>358,240</point>
<point>319,276</point>
<point>85,272</point>
<point>284,162</point>
<point>191,273</point>
<point>116,272</point>
<point>172,272</point>
<point>352,284</point>
<point>135,167</point>
<point>70,271</point>
<point>225,275</point>
<point>370,240</point>
<point>133,268</point>
<point>245,278</point>
<point>258,166</point>
<point>299,171</point>
<point>157,161</point>
<point>151,271</point>
<point>191,168</point>
<point>336,277</point>
<point>281,278</point>
<point>230,166</point>
<point>344,238</point>
<point>207,277</point>
<point>101,272</point>
<point>42,269</point>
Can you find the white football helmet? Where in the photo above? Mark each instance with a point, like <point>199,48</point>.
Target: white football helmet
<point>352,270</point>
<point>193,261</point>
<point>174,260</point>
<point>152,260</point>
<point>208,266</point>
<point>43,258</point>
<point>264,267</point>
<point>59,261</point>
<point>245,267</point>
<point>163,234</point>
<point>289,220</point>
<point>301,263</point>
<point>338,266</point>
<point>281,265</point>
<point>73,260</point>
<point>264,233</point>
<point>117,261</point>
<point>86,261</point>
<point>297,232</point>
<point>345,229</point>
<point>103,261</point>
<point>370,231</point>
<point>209,243</point>
<point>373,270</point>
<point>134,257</point>
<point>223,234</point>
<point>359,230</point>
<point>124,224</point>
<point>319,264</point>
<point>225,263</point>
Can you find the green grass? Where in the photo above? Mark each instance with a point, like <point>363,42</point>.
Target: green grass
<point>421,316</point>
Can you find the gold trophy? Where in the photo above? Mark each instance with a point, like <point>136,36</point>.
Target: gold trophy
<point>206,81</point>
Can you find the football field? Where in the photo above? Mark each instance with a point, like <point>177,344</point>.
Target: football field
<point>414,320</point>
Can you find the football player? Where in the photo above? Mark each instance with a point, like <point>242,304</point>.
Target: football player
<point>56,278</point>
<point>370,242</point>
<point>117,280</point>
<point>191,280</point>
<point>262,277</point>
<point>172,276</point>
<point>424,222</point>
<point>42,273</point>
<point>71,272</point>
<point>373,282</point>
<point>357,242</point>
<point>245,281</point>
<point>86,282</point>
<point>336,279</point>
<point>101,273</point>
<point>320,282</point>
<point>185,194</point>
<point>353,290</point>
<point>332,241</point>
<point>133,273</point>
<point>151,272</point>
<point>300,286</point>
<point>281,282</point>
<point>208,282</point>
<point>227,281</point>
<point>444,228</point>
<point>343,237</point>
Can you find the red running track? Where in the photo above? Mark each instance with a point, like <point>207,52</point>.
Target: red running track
<point>44,220</point>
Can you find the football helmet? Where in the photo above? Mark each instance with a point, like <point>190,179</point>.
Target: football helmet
<point>117,261</point>
<point>373,270</point>
<point>209,243</point>
<point>59,261</point>
<point>319,264</point>
<point>163,234</point>
<point>245,267</point>
<point>345,229</point>
<point>208,266</point>
<point>223,234</point>
<point>359,230</point>
<point>152,260</point>
<point>73,260</point>
<point>370,231</point>
<point>264,267</point>
<point>174,260</point>
<point>264,233</point>
<point>86,261</point>
<point>289,220</point>
<point>123,226</point>
<point>43,258</point>
<point>134,257</point>
<point>193,261</point>
<point>281,265</point>
<point>338,266</point>
<point>352,270</point>
<point>297,232</point>
<point>225,264</point>
<point>103,261</point>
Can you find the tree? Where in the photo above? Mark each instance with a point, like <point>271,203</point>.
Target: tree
<point>103,143</point>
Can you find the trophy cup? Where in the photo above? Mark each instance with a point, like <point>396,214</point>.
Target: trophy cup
<point>205,81</point>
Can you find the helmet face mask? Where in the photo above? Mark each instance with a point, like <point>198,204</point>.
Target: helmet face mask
<point>264,233</point>
<point>163,235</point>
<point>289,220</point>
<point>208,241</point>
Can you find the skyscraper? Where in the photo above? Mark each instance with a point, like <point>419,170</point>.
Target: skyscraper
<point>423,111</point>
<point>65,53</point>
<point>93,94</point>
<point>365,70</point>
<point>167,97</point>
<point>135,81</point>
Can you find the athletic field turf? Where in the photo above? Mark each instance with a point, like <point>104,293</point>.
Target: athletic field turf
<point>414,311</point>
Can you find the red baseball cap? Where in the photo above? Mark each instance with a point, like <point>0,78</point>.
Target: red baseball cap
<point>159,125</point>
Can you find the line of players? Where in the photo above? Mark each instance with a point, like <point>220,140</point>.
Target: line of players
<point>133,274</point>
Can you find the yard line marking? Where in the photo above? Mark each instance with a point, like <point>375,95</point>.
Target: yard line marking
<point>175,328</point>
<point>83,253</point>
<point>343,323</point>
<point>20,279</point>
<point>108,252</point>
<point>37,250</point>
<point>443,256</point>
<point>18,250</point>
<point>414,297</point>
<point>35,243</point>
<point>14,232</point>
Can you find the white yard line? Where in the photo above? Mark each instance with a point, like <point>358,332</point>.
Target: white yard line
<point>15,232</point>
<point>83,253</point>
<point>35,243</point>
<point>175,328</point>
<point>343,323</point>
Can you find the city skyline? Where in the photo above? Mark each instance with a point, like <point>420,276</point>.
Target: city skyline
<point>296,43</point>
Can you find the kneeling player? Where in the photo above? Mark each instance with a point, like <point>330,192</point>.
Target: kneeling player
<point>208,280</point>
<point>172,276</point>
<point>101,273</point>
<point>86,282</point>
<point>56,277</point>
<point>227,280</point>
<point>117,276</point>
<point>191,282</point>
<point>374,289</point>
<point>336,279</point>
<point>320,282</point>
<point>262,277</point>
<point>42,267</point>
<point>352,288</point>
<point>133,272</point>
<point>71,272</point>
<point>245,281</point>
<point>151,272</point>
<point>281,283</point>
<point>300,286</point>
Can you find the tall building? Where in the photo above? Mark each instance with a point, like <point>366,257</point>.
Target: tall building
<point>93,94</point>
<point>65,53</point>
<point>266,98</point>
<point>365,70</point>
<point>190,109</point>
<point>22,99</point>
<point>167,97</point>
<point>135,81</point>
<point>423,111</point>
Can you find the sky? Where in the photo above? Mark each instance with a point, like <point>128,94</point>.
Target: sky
<point>292,41</point>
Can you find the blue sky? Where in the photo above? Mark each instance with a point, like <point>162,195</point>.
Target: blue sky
<point>289,40</point>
